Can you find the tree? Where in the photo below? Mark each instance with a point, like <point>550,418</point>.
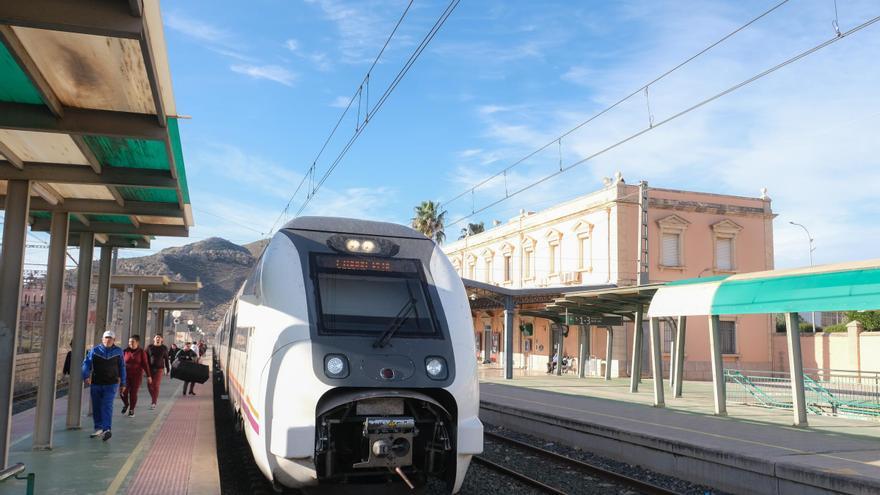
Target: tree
<point>429,221</point>
<point>870,319</point>
<point>471,229</point>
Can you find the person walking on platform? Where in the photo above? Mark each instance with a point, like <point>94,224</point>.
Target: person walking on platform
<point>104,369</point>
<point>187,354</point>
<point>137,364</point>
<point>173,352</point>
<point>159,364</point>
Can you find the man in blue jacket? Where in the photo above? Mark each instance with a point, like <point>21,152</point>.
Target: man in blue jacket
<point>104,368</point>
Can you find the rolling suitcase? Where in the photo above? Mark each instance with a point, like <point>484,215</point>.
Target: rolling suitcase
<point>189,371</point>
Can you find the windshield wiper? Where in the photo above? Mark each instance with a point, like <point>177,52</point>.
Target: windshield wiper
<point>395,325</point>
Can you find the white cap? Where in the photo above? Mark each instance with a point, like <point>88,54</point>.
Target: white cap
<point>110,334</point>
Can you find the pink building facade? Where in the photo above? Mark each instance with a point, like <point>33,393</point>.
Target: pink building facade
<point>594,241</point>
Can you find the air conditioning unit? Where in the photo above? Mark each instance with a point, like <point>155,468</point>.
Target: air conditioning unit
<point>570,277</point>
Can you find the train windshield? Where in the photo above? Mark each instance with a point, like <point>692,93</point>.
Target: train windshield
<point>368,295</point>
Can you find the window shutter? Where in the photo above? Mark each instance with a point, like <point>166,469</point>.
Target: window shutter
<point>671,249</point>
<point>724,254</point>
<point>727,329</point>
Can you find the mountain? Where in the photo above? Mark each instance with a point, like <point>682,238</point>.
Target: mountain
<point>221,266</point>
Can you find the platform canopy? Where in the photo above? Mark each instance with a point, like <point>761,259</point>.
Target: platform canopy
<point>486,296</point>
<point>87,114</point>
<point>608,301</point>
<point>837,287</point>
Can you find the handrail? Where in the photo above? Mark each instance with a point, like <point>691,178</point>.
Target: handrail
<point>11,471</point>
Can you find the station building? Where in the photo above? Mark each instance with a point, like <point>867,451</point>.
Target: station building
<point>593,242</point>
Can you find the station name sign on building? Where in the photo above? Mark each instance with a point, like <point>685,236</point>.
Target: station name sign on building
<point>598,321</point>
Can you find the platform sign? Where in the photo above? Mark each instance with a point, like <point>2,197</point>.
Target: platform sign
<point>599,321</point>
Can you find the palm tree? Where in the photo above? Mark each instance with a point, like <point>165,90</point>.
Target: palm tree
<point>471,229</point>
<point>429,220</point>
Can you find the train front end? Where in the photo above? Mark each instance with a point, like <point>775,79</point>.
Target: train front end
<point>395,393</point>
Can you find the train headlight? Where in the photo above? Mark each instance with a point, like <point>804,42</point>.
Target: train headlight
<point>436,367</point>
<point>353,245</point>
<point>373,246</point>
<point>335,366</point>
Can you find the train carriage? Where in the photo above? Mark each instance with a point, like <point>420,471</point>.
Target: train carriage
<point>347,356</point>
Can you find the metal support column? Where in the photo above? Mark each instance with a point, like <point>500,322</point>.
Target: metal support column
<point>609,346</point>
<point>560,348</point>
<point>135,316</point>
<point>18,194</point>
<point>102,305</point>
<point>160,323</point>
<point>796,369</point>
<point>583,349</point>
<point>45,410</point>
<point>142,318</point>
<point>679,355</point>
<point>80,322</point>
<point>508,337</point>
<point>127,303</point>
<point>487,343</point>
<point>718,386</point>
<point>657,363</point>
<point>157,325</point>
<point>635,376</point>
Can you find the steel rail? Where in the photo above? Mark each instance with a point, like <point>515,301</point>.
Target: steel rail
<point>516,475</point>
<point>637,484</point>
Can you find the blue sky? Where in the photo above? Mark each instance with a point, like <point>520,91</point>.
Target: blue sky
<point>263,81</point>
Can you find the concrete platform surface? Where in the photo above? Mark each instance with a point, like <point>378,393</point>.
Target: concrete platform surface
<point>832,454</point>
<point>169,450</point>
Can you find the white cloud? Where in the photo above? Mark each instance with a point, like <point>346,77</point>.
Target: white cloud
<point>356,202</point>
<point>197,29</point>
<point>292,45</point>
<point>270,72</point>
<point>340,102</point>
<point>363,27</point>
<point>469,153</point>
<point>318,59</point>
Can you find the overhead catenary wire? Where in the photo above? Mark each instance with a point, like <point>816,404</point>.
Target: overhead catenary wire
<point>382,99</point>
<point>357,94</point>
<point>687,110</point>
<point>641,89</point>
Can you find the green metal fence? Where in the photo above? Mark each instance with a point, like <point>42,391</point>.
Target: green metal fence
<point>828,392</point>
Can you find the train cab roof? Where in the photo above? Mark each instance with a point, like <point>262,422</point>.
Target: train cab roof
<point>353,226</point>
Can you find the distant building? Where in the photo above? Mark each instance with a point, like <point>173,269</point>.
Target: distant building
<point>593,240</point>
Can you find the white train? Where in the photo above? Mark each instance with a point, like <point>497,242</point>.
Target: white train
<point>348,357</point>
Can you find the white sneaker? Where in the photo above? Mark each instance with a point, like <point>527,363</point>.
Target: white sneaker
<point>152,406</point>
<point>97,433</point>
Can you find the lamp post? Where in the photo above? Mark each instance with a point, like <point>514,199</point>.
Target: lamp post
<point>189,329</point>
<point>176,315</point>
<point>810,238</point>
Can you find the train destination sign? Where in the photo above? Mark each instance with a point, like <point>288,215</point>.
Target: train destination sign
<point>599,321</point>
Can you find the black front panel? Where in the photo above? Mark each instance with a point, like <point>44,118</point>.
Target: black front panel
<point>366,296</point>
<point>354,299</point>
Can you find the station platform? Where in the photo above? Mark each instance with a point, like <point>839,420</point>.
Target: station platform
<point>751,450</point>
<point>169,450</point>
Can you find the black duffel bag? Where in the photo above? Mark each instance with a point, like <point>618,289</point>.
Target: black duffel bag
<point>189,371</point>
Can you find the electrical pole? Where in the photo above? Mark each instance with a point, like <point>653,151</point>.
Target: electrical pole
<point>810,238</point>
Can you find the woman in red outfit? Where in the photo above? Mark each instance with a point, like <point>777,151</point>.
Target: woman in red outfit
<point>136,365</point>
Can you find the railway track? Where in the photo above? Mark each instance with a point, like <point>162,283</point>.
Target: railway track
<point>554,460</point>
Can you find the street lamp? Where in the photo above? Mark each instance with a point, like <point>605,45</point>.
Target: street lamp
<point>810,238</point>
